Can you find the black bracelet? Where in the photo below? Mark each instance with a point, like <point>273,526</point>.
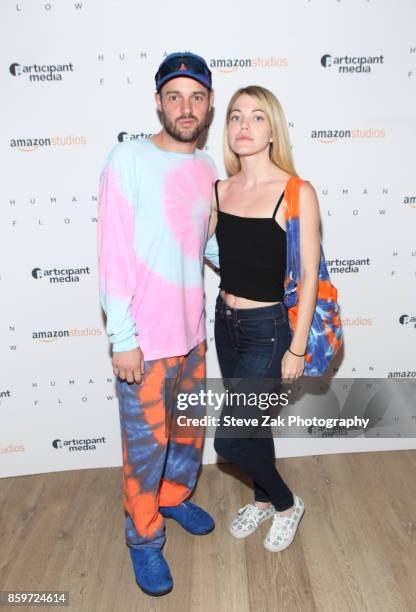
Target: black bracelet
<point>295,354</point>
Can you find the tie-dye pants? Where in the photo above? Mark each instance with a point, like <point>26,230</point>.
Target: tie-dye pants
<point>160,465</point>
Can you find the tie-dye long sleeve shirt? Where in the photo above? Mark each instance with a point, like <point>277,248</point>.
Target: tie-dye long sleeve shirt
<point>154,209</point>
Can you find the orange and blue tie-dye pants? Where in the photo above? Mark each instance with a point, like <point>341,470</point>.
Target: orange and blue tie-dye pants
<point>160,465</point>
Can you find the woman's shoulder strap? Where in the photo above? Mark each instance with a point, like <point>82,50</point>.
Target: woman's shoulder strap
<point>216,194</point>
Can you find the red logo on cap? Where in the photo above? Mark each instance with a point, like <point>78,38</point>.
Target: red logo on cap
<point>183,67</point>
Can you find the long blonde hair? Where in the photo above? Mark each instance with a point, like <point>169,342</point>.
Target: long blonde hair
<point>280,152</point>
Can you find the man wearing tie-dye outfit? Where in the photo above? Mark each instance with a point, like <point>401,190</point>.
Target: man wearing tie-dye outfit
<point>154,209</point>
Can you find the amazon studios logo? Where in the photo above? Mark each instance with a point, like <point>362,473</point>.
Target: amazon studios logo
<point>87,444</point>
<point>31,144</point>
<point>61,275</point>
<point>408,320</point>
<point>124,136</point>
<point>350,63</point>
<point>334,135</point>
<point>12,448</point>
<point>51,335</point>
<point>230,64</point>
<point>41,72</point>
<point>410,200</point>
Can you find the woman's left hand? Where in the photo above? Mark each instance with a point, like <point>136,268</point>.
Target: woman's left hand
<point>292,367</point>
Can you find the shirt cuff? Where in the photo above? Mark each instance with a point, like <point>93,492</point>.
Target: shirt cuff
<point>125,345</point>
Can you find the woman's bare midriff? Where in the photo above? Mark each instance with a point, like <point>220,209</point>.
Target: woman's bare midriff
<point>234,301</point>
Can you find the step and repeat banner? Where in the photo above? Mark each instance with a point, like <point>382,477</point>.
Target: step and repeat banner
<point>77,78</point>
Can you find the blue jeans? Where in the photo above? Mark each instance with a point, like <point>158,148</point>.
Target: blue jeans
<point>250,345</point>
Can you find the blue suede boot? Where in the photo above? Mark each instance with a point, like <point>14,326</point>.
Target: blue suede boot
<point>192,518</point>
<point>151,570</point>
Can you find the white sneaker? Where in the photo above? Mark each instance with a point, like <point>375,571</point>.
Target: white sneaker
<point>283,529</point>
<point>248,519</point>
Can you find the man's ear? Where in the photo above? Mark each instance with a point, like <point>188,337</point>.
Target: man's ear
<point>211,99</point>
<point>158,100</point>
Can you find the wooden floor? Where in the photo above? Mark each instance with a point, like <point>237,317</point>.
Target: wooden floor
<point>354,551</point>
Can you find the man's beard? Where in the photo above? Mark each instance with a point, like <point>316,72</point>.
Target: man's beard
<point>176,133</point>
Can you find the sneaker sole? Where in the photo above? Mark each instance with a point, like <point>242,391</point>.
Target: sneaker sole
<point>159,594</point>
<point>197,533</point>
<point>248,533</point>
<point>272,548</point>
<point>201,533</point>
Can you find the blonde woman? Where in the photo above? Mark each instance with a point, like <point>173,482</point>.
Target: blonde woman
<point>252,333</point>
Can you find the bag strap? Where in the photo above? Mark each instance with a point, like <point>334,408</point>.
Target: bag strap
<point>292,197</point>
<point>292,226</point>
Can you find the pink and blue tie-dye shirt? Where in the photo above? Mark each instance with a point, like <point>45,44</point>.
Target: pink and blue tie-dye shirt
<point>154,210</point>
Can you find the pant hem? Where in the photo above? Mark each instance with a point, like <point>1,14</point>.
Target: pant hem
<point>286,506</point>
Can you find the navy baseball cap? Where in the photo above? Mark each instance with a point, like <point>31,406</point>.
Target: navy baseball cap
<point>183,65</point>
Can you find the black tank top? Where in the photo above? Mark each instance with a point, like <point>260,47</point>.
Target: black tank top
<point>252,254</point>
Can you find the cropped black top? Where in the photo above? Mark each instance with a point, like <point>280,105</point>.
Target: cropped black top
<point>252,253</point>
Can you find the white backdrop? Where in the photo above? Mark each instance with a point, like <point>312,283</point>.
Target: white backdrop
<point>77,77</point>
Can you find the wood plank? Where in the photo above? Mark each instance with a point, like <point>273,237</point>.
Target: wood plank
<point>355,548</point>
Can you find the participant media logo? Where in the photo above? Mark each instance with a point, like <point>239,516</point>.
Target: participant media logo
<point>346,266</point>
<point>406,319</point>
<point>5,393</point>
<point>231,64</point>
<point>347,64</point>
<point>74,445</point>
<point>125,136</point>
<point>41,72</point>
<point>60,275</point>
<point>28,145</point>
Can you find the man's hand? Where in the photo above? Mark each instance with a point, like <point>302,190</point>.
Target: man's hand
<point>129,365</point>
